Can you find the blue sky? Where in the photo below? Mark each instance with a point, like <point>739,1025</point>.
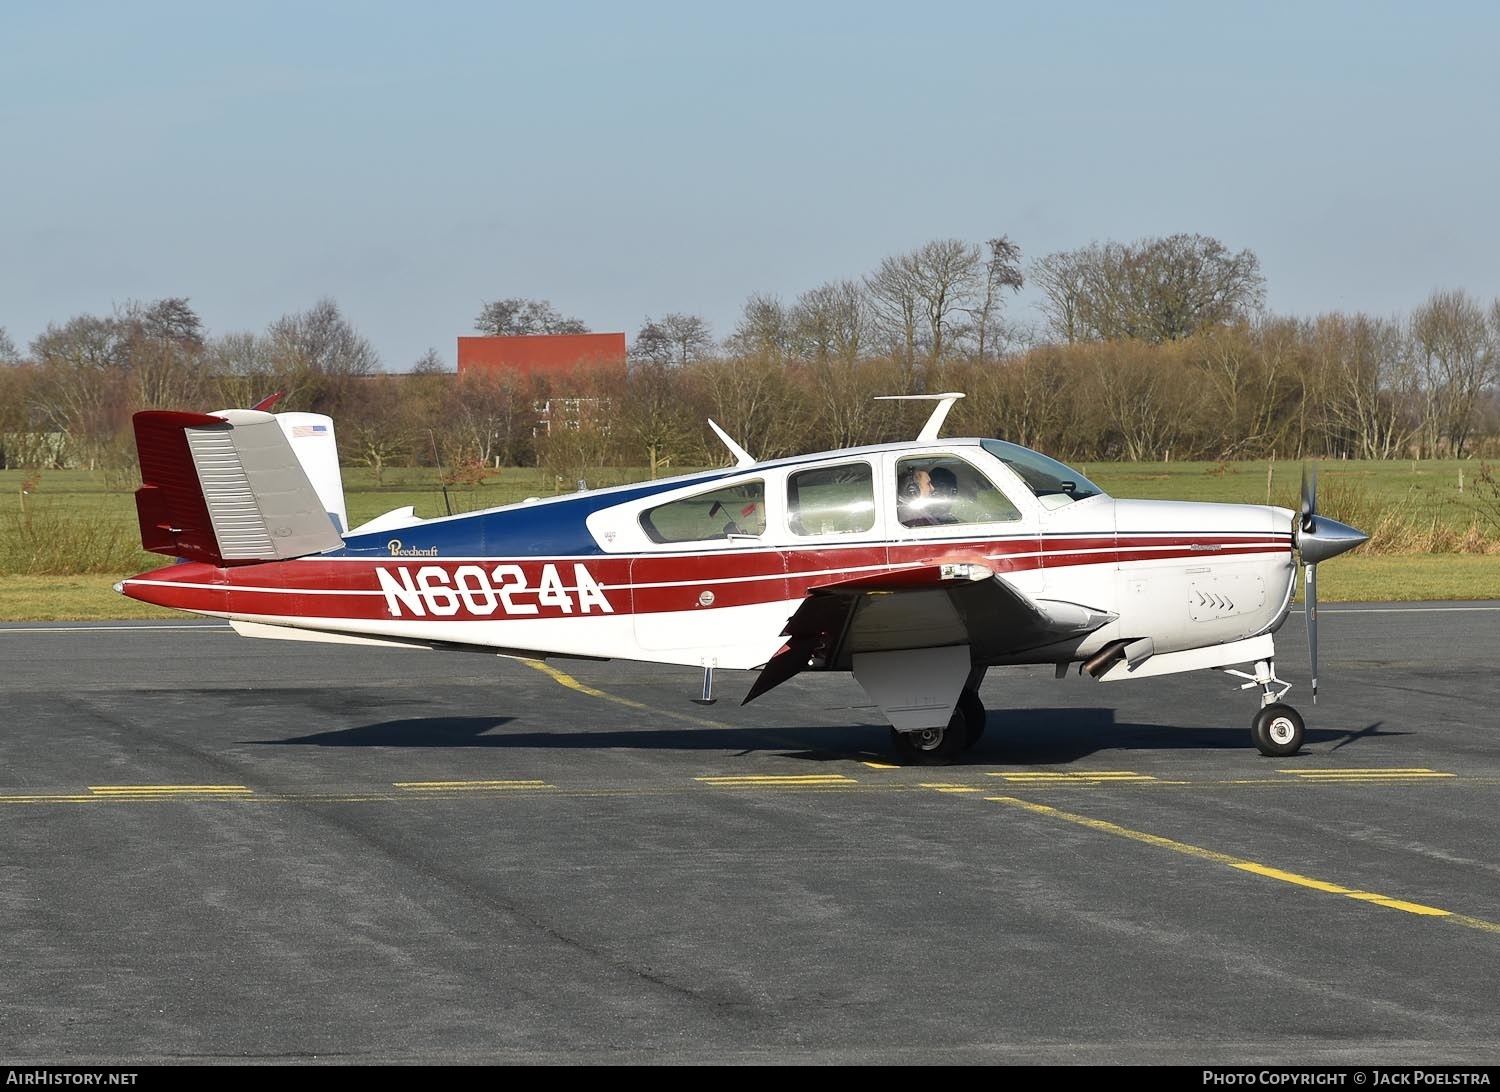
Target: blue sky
<point>413,161</point>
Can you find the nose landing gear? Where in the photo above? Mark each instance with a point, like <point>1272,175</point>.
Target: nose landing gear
<point>1277,730</point>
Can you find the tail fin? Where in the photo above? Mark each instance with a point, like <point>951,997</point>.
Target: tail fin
<point>311,437</point>
<point>227,488</point>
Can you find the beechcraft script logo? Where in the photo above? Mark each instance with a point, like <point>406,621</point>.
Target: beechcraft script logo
<point>400,549</point>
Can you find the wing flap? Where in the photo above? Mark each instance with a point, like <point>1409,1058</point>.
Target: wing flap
<point>922,606</point>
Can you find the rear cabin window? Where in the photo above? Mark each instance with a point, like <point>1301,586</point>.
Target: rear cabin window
<point>738,509</point>
<point>831,500</point>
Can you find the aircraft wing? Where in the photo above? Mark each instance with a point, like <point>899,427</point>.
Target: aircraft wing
<point>924,606</point>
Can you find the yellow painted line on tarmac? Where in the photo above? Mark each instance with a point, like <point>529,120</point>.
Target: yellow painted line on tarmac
<point>779,781</point>
<point>164,791</point>
<point>562,678</point>
<point>54,798</point>
<point>1415,773</point>
<point>1048,777</point>
<point>945,786</point>
<point>463,786</point>
<point>1106,827</point>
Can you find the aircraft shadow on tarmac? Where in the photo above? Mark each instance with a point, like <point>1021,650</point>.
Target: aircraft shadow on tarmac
<point>1012,737</point>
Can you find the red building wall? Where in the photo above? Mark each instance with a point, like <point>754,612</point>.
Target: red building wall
<point>553,356</point>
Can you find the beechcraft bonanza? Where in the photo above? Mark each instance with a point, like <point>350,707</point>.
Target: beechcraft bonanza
<point>916,565</point>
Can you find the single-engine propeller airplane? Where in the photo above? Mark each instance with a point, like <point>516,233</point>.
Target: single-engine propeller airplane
<point>915,565</point>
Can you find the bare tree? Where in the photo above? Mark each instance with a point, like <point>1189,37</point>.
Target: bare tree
<point>21,442</point>
<point>166,320</point>
<point>674,339</point>
<point>1157,289</point>
<point>753,400</point>
<point>1035,404</point>
<point>1368,389</point>
<point>1002,270</point>
<point>82,385</point>
<point>375,426</point>
<point>949,277</point>
<point>321,341</point>
<point>651,417</point>
<point>317,356</point>
<point>896,306</point>
<point>243,364</point>
<point>514,316</point>
<point>431,363</point>
<point>1061,279</point>
<point>765,329</point>
<point>8,354</point>
<point>652,344</point>
<point>485,417</point>
<point>577,442</point>
<point>1250,378</point>
<point>925,300</point>
<point>831,322</point>
<point>1456,346</point>
<point>1134,387</point>
<point>840,402</point>
<point>164,347</point>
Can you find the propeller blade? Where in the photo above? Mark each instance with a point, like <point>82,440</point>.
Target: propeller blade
<point>1317,538</point>
<point>1309,507</point>
<point>1310,574</point>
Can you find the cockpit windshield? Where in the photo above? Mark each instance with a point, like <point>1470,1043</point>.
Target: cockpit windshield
<point>1053,482</point>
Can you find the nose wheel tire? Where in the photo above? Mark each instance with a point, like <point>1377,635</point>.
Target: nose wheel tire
<point>1277,731</point>
<point>932,746</point>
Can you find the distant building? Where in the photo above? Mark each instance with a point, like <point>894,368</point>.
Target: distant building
<point>556,358</point>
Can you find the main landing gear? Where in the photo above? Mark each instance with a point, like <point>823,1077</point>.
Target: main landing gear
<point>943,746</point>
<point>1277,730</point>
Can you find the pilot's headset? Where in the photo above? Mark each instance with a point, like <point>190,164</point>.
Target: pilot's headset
<point>910,490</point>
<point>944,482</point>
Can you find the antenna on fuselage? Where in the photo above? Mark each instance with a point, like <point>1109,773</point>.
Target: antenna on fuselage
<point>741,456</point>
<point>939,412</point>
<point>446,502</point>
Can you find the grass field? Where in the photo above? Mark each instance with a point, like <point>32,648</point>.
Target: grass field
<point>67,536</point>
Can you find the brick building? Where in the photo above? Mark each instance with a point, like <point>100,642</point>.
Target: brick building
<point>555,358</point>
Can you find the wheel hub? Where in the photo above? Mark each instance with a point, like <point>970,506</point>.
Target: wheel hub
<point>928,739</point>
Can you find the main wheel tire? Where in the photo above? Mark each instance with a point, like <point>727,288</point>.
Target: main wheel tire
<point>974,716</point>
<point>1277,731</point>
<point>932,746</point>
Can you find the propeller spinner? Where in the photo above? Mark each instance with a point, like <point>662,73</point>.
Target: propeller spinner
<point>1317,538</point>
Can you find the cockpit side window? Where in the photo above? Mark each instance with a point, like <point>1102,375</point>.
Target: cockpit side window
<point>831,500</point>
<point>738,509</point>
<point>936,490</point>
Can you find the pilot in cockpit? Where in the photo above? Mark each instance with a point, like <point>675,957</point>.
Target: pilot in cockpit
<point>925,497</point>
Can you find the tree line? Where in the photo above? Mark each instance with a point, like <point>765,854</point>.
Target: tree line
<point>1157,349</point>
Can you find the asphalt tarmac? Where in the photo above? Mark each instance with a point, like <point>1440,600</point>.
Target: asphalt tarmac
<point>222,850</point>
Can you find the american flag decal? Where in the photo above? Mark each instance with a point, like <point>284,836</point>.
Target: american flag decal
<point>309,430</point>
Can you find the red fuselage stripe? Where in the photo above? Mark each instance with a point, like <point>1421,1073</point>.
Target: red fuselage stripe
<point>462,589</point>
